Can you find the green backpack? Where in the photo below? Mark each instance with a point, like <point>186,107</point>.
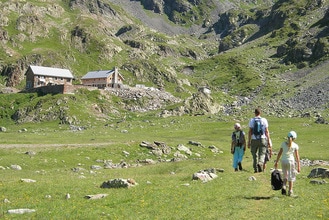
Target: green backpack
<point>238,140</point>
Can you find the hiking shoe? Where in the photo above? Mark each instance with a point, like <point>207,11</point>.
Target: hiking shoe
<point>240,166</point>
<point>236,169</point>
<point>291,194</point>
<point>283,191</point>
<point>259,168</point>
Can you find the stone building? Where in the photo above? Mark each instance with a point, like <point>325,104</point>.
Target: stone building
<point>39,76</point>
<point>103,79</point>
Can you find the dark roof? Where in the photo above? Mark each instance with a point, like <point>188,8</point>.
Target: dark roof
<point>98,74</point>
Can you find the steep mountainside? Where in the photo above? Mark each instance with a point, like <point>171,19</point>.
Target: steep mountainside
<point>244,52</point>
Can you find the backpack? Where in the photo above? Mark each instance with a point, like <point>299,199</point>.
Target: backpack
<point>276,180</point>
<point>238,141</point>
<point>258,128</point>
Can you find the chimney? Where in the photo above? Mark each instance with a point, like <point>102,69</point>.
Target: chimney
<point>116,73</point>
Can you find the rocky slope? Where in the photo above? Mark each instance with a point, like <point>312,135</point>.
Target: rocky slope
<point>180,46</point>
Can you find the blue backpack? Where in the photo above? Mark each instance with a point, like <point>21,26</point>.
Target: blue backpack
<point>258,128</point>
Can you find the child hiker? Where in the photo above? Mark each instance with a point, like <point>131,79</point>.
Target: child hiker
<point>289,152</point>
<point>238,146</point>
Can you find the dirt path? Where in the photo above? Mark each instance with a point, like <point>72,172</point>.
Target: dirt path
<point>52,145</point>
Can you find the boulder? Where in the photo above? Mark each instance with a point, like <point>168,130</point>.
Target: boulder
<point>319,182</point>
<point>119,183</point>
<point>319,172</point>
<point>181,147</point>
<point>205,175</point>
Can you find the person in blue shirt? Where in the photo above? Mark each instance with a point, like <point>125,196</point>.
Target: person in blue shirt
<point>238,146</point>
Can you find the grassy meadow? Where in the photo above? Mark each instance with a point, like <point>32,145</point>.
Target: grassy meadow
<point>165,190</point>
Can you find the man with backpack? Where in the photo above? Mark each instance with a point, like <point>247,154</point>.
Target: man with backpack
<point>257,140</point>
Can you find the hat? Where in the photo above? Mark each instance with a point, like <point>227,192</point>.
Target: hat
<point>292,134</point>
<point>237,125</point>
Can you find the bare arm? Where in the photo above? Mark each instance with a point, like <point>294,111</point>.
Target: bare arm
<point>270,147</point>
<point>278,158</point>
<point>244,143</point>
<point>249,137</point>
<point>267,134</point>
<point>297,160</point>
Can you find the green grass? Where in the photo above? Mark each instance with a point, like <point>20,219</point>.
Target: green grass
<point>229,72</point>
<point>160,194</point>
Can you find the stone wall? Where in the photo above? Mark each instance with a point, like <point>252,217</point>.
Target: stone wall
<point>58,89</point>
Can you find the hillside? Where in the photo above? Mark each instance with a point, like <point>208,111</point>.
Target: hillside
<point>271,54</point>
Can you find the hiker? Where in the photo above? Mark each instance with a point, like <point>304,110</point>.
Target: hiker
<point>289,152</point>
<point>257,140</point>
<point>268,154</point>
<point>238,146</point>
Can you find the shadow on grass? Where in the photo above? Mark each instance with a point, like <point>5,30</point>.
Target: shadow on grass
<point>258,197</point>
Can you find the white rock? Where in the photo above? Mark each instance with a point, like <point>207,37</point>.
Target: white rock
<point>252,178</point>
<point>97,196</point>
<point>20,211</point>
<point>16,167</point>
<point>28,180</point>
